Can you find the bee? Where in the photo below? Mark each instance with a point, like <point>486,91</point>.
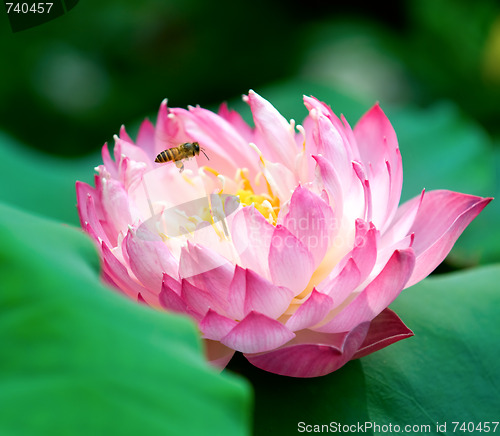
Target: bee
<point>177,154</point>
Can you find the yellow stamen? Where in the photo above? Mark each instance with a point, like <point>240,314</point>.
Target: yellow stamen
<point>262,204</point>
<point>242,174</point>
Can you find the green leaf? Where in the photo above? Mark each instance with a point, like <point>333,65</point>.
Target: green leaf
<point>447,372</point>
<point>41,183</point>
<point>78,358</point>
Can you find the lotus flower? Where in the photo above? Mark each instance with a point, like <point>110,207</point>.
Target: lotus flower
<point>287,245</point>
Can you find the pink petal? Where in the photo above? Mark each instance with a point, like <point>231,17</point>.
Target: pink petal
<point>118,273</point>
<point>441,219</point>
<point>93,223</point>
<point>342,128</point>
<point>281,179</point>
<point>215,326</point>
<point>149,258</point>
<point>116,205</point>
<point>276,133</point>
<point>172,301</point>
<point>331,182</point>
<point>376,296</point>
<point>168,132</point>
<point>402,222</point>
<point>146,139</point>
<point>312,311</point>
<point>199,300</point>
<point>310,219</point>
<point>252,235</point>
<point>355,266</point>
<point>124,148</point>
<point>367,193</point>
<point>110,165</point>
<point>332,146</point>
<point>124,135</point>
<point>341,285</point>
<point>364,252</point>
<point>217,354</point>
<point>290,262</point>
<point>378,147</point>
<point>257,333</point>
<point>385,329</point>
<point>251,292</point>
<point>215,133</point>
<point>311,354</point>
<point>235,119</point>
<point>206,270</point>
<point>83,193</point>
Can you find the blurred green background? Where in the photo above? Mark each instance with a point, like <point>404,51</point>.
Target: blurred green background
<point>69,84</point>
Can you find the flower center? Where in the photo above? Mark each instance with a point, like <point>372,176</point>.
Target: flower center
<point>266,203</point>
<point>263,203</point>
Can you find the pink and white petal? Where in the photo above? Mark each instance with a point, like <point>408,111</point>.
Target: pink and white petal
<point>290,262</point>
<point>339,287</point>
<point>83,192</point>
<point>236,297</point>
<point>93,223</point>
<point>367,193</point>
<point>318,108</point>
<point>124,135</point>
<point>116,205</point>
<point>128,149</point>
<point>215,326</point>
<point>146,139</point>
<point>441,219</point>
<point>265,297</point>
<point>331,183</point>
<point>257,333</point>
<point>220,136</point>
<point>378,148</point>
<point>281,179</point>
<point>235,119</point>
<point>364,252</point>
<point>172,301</point>
<point>277,135</point>
<point>376,296</point>
<point>217,354</point>
<point>311,312</point>
<point>355,265</point>
<point>198,300</point>
<point>251,292</point>
<point>149,258</point>
<point>384,254</point>
<point>199,130</point>
<point>119,275</point>
<point>172,283</point>
<point>311,220</point>
<point>402,221</point>
<point>332,146</point>
<point>110,165</point>
<point>252,235</point>
<point>311,354</point>
<point>206,270</point>
<point>385,329</point>
<point>168,132</point>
